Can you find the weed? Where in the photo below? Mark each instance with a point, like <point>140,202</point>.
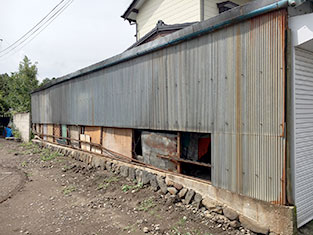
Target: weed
<point>146,204</point>
<point>107,182</point>
<point>24,164</point>
<point>136,187</point>
<point>28,174</point>
<point>27,145</point>
<point>69,189</point>
<point>46,155</point>
<point>182,221</point>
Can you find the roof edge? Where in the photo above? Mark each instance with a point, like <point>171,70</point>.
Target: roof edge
<point>225,19</point>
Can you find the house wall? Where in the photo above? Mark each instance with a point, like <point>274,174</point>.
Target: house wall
<point>170,11</point>
<point>230,83</point>
<point>210,7</point>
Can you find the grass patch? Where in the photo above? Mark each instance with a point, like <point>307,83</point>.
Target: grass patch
<point>47,155</point>
<point>27,145</point>
<point>147,204</point>
<point>67,190</point>
<point>31,148</point>
<point>136,187</point>
<point>106,182</point>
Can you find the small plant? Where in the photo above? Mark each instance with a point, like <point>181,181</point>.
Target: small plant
<point>46,155</point>
<point>136,187</point>
<point>16,133</point>
<point>146,205</point>
<point>107,182</point>
<point>24,164</point>
<point>27,145</point>
<point>69,189</point>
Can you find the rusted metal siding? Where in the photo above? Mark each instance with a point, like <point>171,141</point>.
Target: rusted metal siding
<point>229,83</point>
<point>251,128</point>
<point>156,145</point>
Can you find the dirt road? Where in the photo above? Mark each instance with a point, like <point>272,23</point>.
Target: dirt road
<point>45,193</point>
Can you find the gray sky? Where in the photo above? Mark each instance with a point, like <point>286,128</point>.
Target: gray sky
<point>85,33</point>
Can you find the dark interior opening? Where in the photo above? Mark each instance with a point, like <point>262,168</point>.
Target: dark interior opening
<point>4,121</point>
<point>196,147</point>
<point>137,148</point>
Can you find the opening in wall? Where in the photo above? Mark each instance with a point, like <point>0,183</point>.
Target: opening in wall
<point>196,147</point>
<point>184,152</point>
<point>137,148</point>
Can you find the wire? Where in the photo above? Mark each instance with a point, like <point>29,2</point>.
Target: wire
<point>34,26</point>
<point>48,22</point>
<point>37,32</point>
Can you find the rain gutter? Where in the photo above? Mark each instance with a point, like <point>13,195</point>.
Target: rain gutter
<point>262,10</point>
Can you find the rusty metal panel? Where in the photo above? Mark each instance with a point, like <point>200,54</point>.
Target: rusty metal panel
<point>155,145</point>
<point>229,83</point>
<point>259,171</point>
<point>248,141</point>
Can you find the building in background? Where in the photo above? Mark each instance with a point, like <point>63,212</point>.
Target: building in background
<point>227,101</point>
<point>147,13</point>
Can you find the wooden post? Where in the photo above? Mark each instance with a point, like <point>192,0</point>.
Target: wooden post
<point>178,152</point>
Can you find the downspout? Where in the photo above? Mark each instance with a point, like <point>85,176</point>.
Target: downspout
<point>201,10</point>
<point>272,7</point>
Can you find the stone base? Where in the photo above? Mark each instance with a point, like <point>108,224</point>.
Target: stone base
<point>255,215</point>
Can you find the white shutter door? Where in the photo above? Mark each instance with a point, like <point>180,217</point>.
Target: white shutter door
<point>304,135</point>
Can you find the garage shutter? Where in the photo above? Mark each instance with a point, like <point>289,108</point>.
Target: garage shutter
<point>304,135</point>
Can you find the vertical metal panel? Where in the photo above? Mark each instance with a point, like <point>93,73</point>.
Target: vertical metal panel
<point>247,145</point>
<point>303,135</point>
<point>229,83</point>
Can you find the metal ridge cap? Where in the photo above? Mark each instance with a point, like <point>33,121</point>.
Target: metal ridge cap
<point>230,17</point>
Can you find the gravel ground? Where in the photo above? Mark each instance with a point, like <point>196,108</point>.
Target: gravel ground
<point>43,192</point>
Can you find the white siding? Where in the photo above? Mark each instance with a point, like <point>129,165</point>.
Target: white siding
<point>170,11</point>
<point>210,7</point>
<point>303,135</point>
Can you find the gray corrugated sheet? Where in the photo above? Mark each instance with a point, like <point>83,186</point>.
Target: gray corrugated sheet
<point>229,83</point>
<point>303,135</point>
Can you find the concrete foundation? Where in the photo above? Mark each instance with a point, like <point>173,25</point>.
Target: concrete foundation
<point>256,215</point>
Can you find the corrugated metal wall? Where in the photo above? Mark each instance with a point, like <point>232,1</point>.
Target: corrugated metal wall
<point>229,83</point>
<point>303,135</point>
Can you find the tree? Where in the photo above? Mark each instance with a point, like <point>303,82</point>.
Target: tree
<point>15,89</point>
<point>45,81</point>
<point>4,106</point>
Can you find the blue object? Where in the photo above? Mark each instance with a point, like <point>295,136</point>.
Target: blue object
<point>8,132</point>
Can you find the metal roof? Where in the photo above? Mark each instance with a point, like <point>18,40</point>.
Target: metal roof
<point>160,27</point>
